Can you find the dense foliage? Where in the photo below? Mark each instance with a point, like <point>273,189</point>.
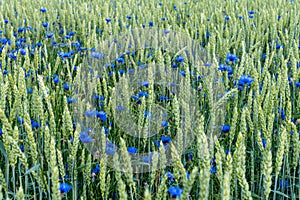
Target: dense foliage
<point>45,141</point>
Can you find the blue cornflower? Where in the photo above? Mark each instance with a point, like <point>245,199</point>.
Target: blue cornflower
<point>121,71</point>
<point>136,98</point>
<point>143,94</point>
<point>97,55</point>
<point>12,55</point>
<point>164,123</point>
<point>67,37</point>
<point>251,12</point>
<point>284,184</point>
<point>29,90</point>
<point>148,158</point>
<point>101,115</point>
<point>75,44</point>
<point>120,108</point>
<point>171,177</point>
<point>6,21</point>
<point>227,18</point>
<point>175,192</point>
<point>34,124</point>
<point>90,113</point>
<point>188,175</point>
<point>297,84</point>
<point>23,52</point>
<point>120,60</point>
<point>85,138</point>
<point>108,20</point>
<point>66,86</point>
<point>20,120</point>
<point>147,114</point>
<point>189,155</point>
<point>282,114</point>
<point>64,187</point>
<point>231,57</point>
<point>213,170</point>
<point>163,98</point>
<point>225,128</point>
<point>244,80</point>
<point>106,130</point>
<point>39,44</point>
<point>21,29</point>
<point>174,65</point>
<point>278,17</point>
<point>49,35</point>
<point>43,10</point>
<point>182,73</point>
<point>290,80</point>
<point>251,16</point>
<point>278,46</point>
<point>71,100</point>
<point>156,143</point>
<point>56,80</point>
<point>22,148</point>
<point>110,148</point>
<point>145,84</point>
<point>223,67</point>
<point>165,139</point>
<point>96,169</point>
<point>97,97</point>
<point>151,23</point>
<point>132,150</point>
<point>45,24</point>
<point>110,151</point>
<point>68,54</point>
<point>264,142</point>
<point>179,59</point>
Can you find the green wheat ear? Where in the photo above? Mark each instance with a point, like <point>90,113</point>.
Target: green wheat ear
<point>54,171</point>
<point>147,195</point>
<point>239,158</point>
<point>227,178</point>
<point>20,194</point>
<point>1,194</point>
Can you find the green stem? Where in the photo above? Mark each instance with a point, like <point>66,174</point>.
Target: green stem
<point>276,179</point>
<point>14,180</point>
<point>7,177</point>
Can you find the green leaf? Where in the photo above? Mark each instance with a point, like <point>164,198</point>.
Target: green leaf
<point>34,168</point>
<point>277,192</point>
<point>3,150</point>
